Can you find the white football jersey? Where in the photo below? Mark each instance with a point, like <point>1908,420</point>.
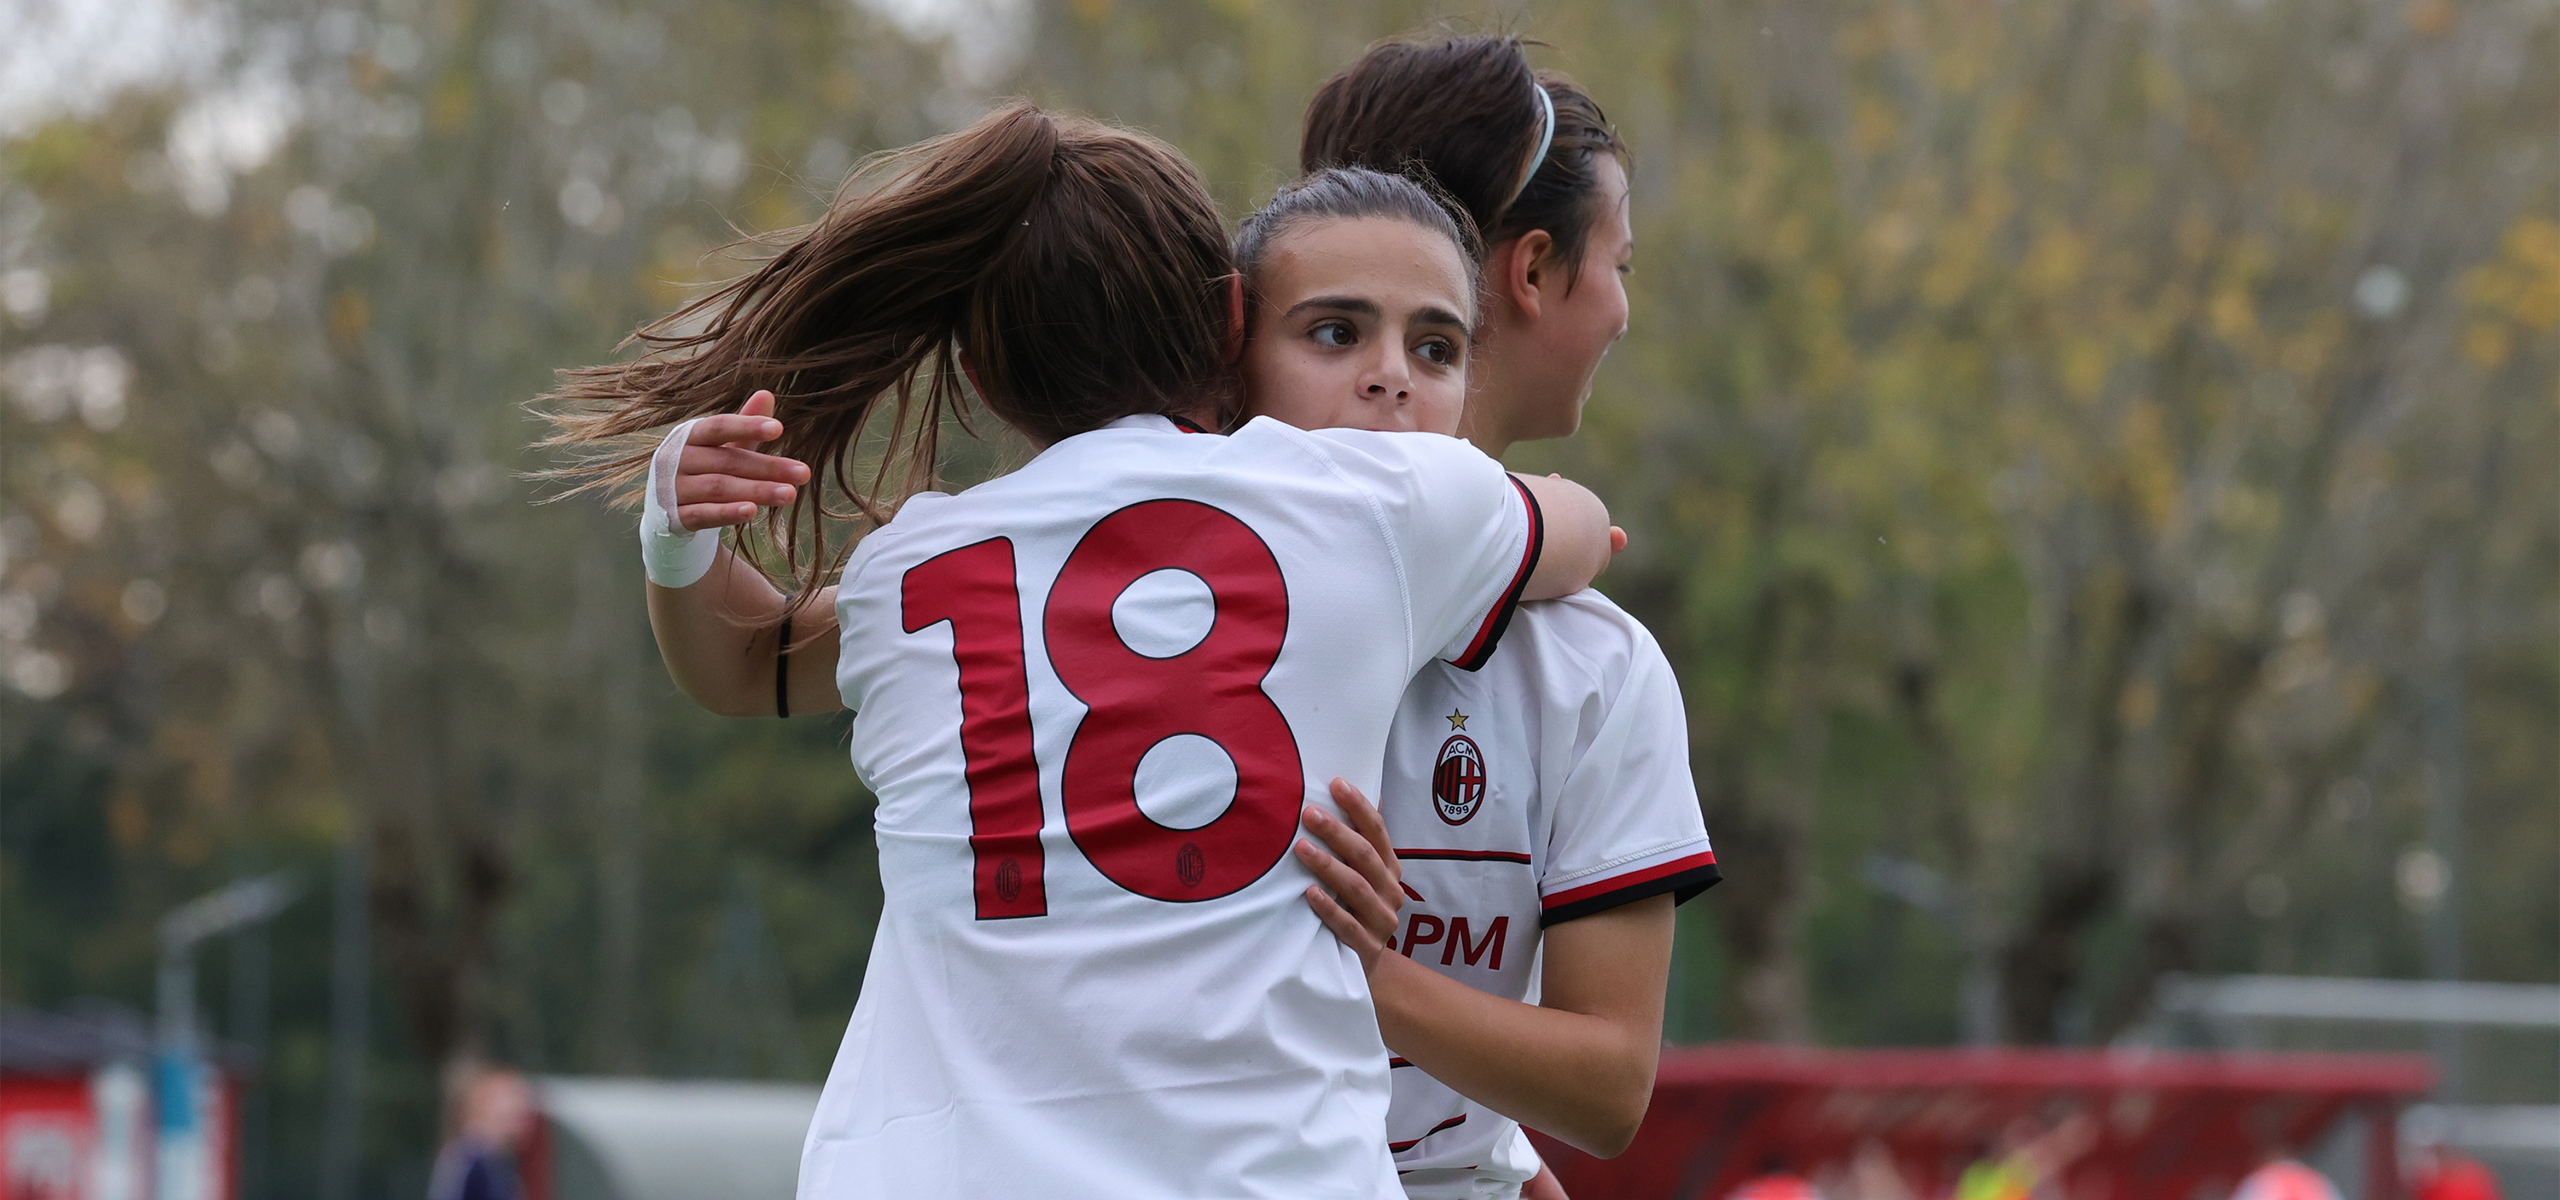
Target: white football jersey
<point>1551,784</point>
<point>1092,698</point>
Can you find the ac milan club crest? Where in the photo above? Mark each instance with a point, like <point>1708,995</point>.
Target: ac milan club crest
<point>1457,780</point>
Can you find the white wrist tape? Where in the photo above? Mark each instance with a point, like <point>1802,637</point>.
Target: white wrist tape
<point>674,555</point>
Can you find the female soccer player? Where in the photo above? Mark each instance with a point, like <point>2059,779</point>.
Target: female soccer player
<point>1093,697</point>
<point>1550,790</point>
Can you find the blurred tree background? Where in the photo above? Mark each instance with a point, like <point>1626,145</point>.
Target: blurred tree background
<point>2093,462</point>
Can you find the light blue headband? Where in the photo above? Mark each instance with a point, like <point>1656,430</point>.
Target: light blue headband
<point>1546,135</point>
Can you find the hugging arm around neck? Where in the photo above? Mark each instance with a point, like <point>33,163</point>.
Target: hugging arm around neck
<point>1577,537</point>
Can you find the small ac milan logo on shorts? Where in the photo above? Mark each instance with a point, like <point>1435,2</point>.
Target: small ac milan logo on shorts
<point>1457,780</point>
<point>1189,865</point>
<point>1008,881</point>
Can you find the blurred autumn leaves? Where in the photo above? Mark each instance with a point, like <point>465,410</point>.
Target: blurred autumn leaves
<point>2048,418</point>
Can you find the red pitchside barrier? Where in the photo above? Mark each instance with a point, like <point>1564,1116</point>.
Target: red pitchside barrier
<point>2167,1124</point>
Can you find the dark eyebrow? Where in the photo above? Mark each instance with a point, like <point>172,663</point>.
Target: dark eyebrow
<point>1429,314</point>
<point>1349,304</point>
<point>1433,315</point>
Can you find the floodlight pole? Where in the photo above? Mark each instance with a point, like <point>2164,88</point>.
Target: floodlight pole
<point>244,903</point>
<point>186,1162</point>
<point>2443,758</point>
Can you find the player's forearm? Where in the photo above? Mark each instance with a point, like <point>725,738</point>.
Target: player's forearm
<point>1579,1077</point>
<point>1577,537</point>
<point>718,636</point>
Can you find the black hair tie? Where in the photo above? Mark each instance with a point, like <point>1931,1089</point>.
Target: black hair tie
<point>782,671</point>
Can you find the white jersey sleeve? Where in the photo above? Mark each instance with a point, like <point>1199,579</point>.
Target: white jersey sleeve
<point>1465,534</point>
<point>1625,823</point>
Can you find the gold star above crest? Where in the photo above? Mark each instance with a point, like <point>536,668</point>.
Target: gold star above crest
<point>1457,720</point>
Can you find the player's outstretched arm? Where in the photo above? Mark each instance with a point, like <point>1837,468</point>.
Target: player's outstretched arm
<point>1579,540</point>
<point>719,633</point>
<point>1578,1065</point>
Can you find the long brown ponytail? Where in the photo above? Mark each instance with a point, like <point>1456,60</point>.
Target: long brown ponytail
<point>1079,266</point>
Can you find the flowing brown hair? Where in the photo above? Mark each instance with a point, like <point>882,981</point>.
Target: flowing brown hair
<point>1080,267</point>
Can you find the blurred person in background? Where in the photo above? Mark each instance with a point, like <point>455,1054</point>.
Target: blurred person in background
<point>1775,1184</point>
<point>1871,1174</point>
<point>2284,1179</point>
<point>491,1114</point>
<point>2439,1173</point>
<point>2028,1160</point>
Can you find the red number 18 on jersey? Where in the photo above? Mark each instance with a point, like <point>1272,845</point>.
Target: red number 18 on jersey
<point>1133,702</point>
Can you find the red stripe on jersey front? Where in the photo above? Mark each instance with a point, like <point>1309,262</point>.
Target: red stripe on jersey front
<point>1489,635</point>
<point>1464,856</point>
<point>1703,858</point>
<point>1451,1123</point>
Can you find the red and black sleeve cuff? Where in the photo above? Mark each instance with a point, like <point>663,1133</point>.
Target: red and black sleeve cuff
<point>1682,877</point>
<point>1480,650</point>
